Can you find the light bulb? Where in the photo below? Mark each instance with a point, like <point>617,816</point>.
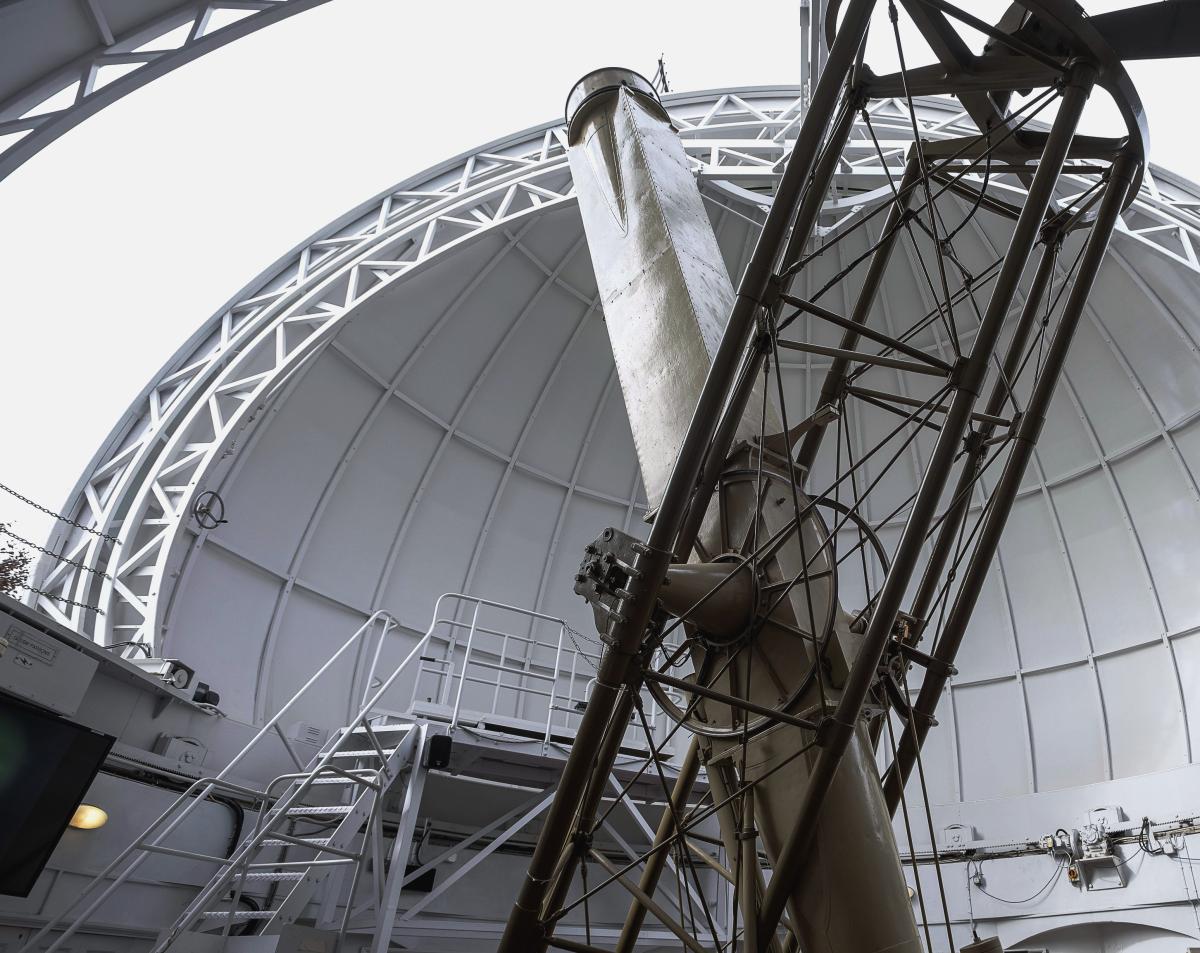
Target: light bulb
<point>88,817</point>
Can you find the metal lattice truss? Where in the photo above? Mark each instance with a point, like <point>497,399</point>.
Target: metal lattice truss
<point>51,105</point>
<point>182,435</point>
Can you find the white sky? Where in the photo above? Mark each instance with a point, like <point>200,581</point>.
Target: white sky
<point>122,237</point>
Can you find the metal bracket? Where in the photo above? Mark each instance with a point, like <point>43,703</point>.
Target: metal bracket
<point>935,665</point>
<point>603,580</point>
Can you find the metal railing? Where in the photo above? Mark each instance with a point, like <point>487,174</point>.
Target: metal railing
<point>453,671</point>
<point>494,645</point>
<point>152,840</point>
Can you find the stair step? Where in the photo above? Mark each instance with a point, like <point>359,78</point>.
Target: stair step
<point>371,753</point>
<point>401,726</point>
<point>238,915</point>
<point>331,809</point>
<point>278,876</point>
<point>309,841</point>
<point>342,780</point>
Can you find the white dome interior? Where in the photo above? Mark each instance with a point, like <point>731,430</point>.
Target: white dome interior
<point>460,430</point>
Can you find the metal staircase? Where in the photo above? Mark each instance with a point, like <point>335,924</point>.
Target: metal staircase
<point>319,855</point>
<point>362,764</point>
<point>340,791</point>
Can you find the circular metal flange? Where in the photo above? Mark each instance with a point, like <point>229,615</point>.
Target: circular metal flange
<point>773,662</point>
<point>605,81</point>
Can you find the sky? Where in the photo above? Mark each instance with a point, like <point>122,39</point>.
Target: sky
<point>122,237</point>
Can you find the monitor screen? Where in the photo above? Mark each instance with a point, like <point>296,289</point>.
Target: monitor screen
<point>47,764</point>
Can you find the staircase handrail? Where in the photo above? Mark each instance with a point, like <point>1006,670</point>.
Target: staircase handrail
<point>200,790</point>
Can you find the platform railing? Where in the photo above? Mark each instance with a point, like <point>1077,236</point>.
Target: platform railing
<point>495,645</point>
<point>453,671</point>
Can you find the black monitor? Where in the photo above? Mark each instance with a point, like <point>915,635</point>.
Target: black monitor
<point>47,763</point>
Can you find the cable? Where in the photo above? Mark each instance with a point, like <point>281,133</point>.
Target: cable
<point>970,904</point>
<point>128,642</point>
<point>1053,877</point>
<point>1126,860</point>
<point>1144,839</point>
<point>987,174</point>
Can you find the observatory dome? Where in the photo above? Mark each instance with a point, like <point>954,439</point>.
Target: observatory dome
<point>421,399</point>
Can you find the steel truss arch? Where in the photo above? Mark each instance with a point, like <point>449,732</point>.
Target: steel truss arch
<point>34,116</point>
<point>187,425</point>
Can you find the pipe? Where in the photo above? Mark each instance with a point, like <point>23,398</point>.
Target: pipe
<point>748,890</point>
<point>665,918</point>
<point>1003,497</point>
<point>648,883</point>
<point>733,701</point>
<point>906,751</point>
<point>597,778</point>
<point>944,543</point>
<point>835,376</point>
<point>842,724</point>
<point>524,932</point>
<point>806,218</point>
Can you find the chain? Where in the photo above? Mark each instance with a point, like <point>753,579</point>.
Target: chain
<point>573,634</point>
<point>58,516</point>
<point>5,531</point>
<point>62,599</point>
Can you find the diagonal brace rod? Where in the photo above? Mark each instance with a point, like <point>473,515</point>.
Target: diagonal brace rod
<point>842,723</point>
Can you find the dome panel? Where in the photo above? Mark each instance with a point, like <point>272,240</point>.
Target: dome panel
<point>311,627</point>
<point>609,462</point>
<point>1067,447</point>
<point>522,522</point>
<point>990,652</point>
<point>554,242</point>
<point>1143,711</point>
<point>1067,727</point>
<point>458,355</point>
<point>441,528</point>
<point>291,462</point>
<point>1166,516</point>
<point>1041,587</point>
<point>363,510</point>
<point>1170,292</point>
<point>1186,442</point>
<point>1160,358</point>
<point>502,409</point>
<point>1116,412</point>
<point>572,399</point>
<point>1113,580</point>
<point>575,272</point>
<point>386,331</point>
<point>999,768</point>
<point>228,601</point>
<point>1186,649</point>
